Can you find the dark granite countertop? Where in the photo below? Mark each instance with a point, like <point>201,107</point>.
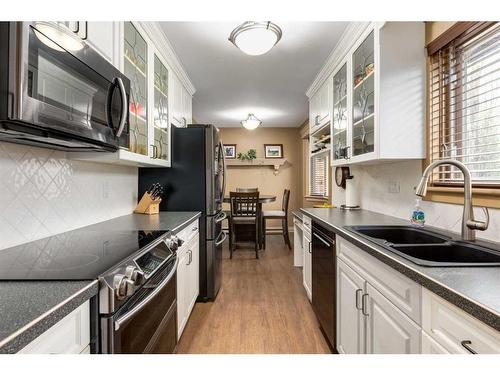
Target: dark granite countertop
<point>174,221</point>
<point>29,308</point>
<point>475,290</point>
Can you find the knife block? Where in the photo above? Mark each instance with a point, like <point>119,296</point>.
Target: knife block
<point>148,205</point>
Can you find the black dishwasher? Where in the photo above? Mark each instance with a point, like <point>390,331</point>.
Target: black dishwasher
<point>324,280</point>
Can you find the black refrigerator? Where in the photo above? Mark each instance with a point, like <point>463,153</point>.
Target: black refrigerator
<point>196,182</point>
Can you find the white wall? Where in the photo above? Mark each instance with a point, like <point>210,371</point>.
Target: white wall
<point>373,184</point>
<point>42,193</point>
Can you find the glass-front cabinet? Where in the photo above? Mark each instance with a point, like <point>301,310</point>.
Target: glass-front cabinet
<point>340,114</point>
<point>149,110</point>
<point>136,69</point>
<point>363,97</point>
<point>160,111</point>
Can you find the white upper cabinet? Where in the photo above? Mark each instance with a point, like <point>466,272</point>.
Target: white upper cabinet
<point>377,97</point>
<point>158,97</point>
<point>104,38</point>
<point>321,107</point>
<point>181,104</point>
<point>101,36</point>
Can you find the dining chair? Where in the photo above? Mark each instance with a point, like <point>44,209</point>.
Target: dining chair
<point>278,215</point>
<point>247,190</point>
<point>245,210</point>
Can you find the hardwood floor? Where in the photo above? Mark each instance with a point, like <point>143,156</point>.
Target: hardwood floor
<point>261,308</point>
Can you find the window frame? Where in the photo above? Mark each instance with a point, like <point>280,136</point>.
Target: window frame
<point>484,194</point>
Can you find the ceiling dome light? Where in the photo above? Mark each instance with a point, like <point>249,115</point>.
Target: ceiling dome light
<point>56,37</point>
<point>255,38</point>
<point>251,122</point>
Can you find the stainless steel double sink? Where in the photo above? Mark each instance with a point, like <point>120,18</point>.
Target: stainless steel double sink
<point>427,248</point>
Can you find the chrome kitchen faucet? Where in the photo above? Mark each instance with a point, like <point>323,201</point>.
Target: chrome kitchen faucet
<point>469,225</point>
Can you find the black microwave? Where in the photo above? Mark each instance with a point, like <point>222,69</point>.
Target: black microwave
<point>57,92</point>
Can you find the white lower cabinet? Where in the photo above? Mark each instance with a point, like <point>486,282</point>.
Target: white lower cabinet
<point>388,329</point>
<point>71,335</point>
<point>187,281</point>
<point>350,319</point>
<point>367,322</point>
<point>455,330</point>
<point>307,261</point>
<point>430,346</point>
<point>381,311</point>
<point>298,239</point>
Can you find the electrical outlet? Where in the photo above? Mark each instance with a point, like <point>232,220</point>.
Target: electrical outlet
<point>393,187</point>
<point>105,190</point>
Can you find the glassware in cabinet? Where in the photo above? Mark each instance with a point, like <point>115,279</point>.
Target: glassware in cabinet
<point>136,68</point>
<point>340,113</point>
<point>160,111</point>
<point>363,97</point>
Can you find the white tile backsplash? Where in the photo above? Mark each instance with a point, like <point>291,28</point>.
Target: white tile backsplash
<point>375,182</point>
<point>43,193</point>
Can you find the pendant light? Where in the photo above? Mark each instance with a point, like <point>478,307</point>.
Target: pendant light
<point>255,38</point>
<point>251,123</point>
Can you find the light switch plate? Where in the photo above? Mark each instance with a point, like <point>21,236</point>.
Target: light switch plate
<point>393,187</point>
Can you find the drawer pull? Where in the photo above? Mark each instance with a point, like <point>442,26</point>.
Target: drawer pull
<point>466,344</point>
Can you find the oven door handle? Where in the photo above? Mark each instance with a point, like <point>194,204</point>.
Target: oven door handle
<point>125,318</point>
<point>123,118</point>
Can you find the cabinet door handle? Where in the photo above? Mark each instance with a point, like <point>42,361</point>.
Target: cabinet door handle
<point>364,304</point>
<point>466,344</point>
<point>190,253</point>
<point>358,299</point>
<point>310,248</point>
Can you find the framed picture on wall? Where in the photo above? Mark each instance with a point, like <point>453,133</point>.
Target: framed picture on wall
<point>230,151</point>
<point>273,151</point>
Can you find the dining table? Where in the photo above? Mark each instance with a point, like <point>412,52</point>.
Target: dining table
<point>263,198</point>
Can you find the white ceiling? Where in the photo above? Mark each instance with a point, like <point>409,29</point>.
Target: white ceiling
<point>230,84</point>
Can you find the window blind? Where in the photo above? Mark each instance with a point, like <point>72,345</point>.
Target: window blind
<point>464,106</point>
<point>319,175</point>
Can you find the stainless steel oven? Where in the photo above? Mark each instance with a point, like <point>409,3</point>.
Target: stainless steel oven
<point>58,92</point>
<point>147,322</point>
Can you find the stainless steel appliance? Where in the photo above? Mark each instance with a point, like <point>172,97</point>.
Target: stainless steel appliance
<point>196,182</point>
<point>138,301</point>
<point>324,280</point>
<point>136,309</point>
<point>57,92</point>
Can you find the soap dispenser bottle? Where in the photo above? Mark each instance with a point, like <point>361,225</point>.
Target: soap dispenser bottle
<point>418,216</point>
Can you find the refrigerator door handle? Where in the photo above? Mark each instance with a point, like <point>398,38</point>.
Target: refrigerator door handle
<point>224,171</point>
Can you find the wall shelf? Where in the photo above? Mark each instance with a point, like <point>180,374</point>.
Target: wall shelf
<point>259,162</point>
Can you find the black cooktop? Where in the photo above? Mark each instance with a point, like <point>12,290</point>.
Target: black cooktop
<point>81,254</point>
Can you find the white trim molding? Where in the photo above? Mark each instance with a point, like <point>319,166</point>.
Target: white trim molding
<point>162,43</point>
<point>352,32</point>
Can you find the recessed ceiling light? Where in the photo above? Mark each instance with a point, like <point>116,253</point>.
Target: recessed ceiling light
<point>251,122</point>
<point>255,38</point>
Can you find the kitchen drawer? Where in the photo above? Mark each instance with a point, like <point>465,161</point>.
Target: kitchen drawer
<point>452,328</point>
<point>71,335</point>
<point>430,346</point>
<point>400,290</point>
<point>298,223</point>
<point>189,232</point>
<point>306,225</point>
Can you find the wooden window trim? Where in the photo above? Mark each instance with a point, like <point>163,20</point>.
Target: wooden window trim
<point>482,195</point>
